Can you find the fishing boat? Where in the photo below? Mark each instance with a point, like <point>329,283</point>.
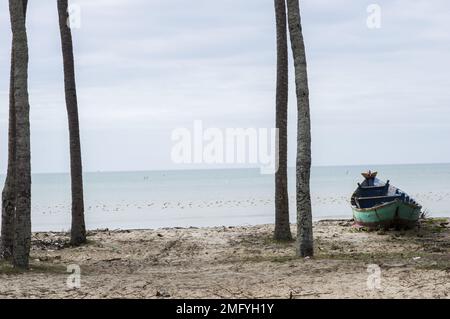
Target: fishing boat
<point>378,204</point>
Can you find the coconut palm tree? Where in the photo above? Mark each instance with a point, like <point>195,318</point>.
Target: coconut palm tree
<point>78,229</point>
<point>8,193</point>
<point>282,225</point>
<point>22,220</point>
<point>303,170</point>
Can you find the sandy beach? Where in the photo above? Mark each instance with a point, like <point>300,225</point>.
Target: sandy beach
<point>238,262</point>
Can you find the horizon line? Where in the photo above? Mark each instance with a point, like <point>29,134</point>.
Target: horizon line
<point>231,168</point>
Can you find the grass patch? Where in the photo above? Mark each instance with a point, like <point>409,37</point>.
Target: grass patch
<point>379,257</point>
<point>48,268</point>
<point>436,220</point>
<point>269,240</point>
<point>6,268</point>
<point>283,259</point>
<point>436,265</point>
<point>437,229</point>
<point>264,239</point>
<point>273,259</point>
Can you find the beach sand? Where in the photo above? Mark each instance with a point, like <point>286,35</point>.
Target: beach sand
<point>239,262</point>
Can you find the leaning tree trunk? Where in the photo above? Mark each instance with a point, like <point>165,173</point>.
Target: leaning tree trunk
<point>282,225</point>
<point>78,229</point>
<point>8,193</point>
<point>304,214</point>
<point>22,220</point>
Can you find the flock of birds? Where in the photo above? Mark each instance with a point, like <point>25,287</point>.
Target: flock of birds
<point>164,205</point>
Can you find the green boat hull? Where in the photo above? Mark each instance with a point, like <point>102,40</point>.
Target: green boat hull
<point>393,214</point>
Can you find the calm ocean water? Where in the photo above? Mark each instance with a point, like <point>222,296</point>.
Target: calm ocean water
<point>157,199</point>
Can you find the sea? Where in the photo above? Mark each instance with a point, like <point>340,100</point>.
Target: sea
<point>220,197</point>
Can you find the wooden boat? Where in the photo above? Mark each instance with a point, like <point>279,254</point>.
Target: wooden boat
<point>377,204</point>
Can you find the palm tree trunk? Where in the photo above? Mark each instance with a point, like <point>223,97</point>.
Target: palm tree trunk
<point>22,220</point>
<point>8,193</point>
<point>304,213</point>
<point>282,224</point>
<point>78,229</point>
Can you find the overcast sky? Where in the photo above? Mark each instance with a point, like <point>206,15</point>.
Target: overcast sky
<point>146,67</point>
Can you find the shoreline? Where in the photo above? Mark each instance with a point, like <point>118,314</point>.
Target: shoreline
<point>318,220</point>
<point>238,262</point>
